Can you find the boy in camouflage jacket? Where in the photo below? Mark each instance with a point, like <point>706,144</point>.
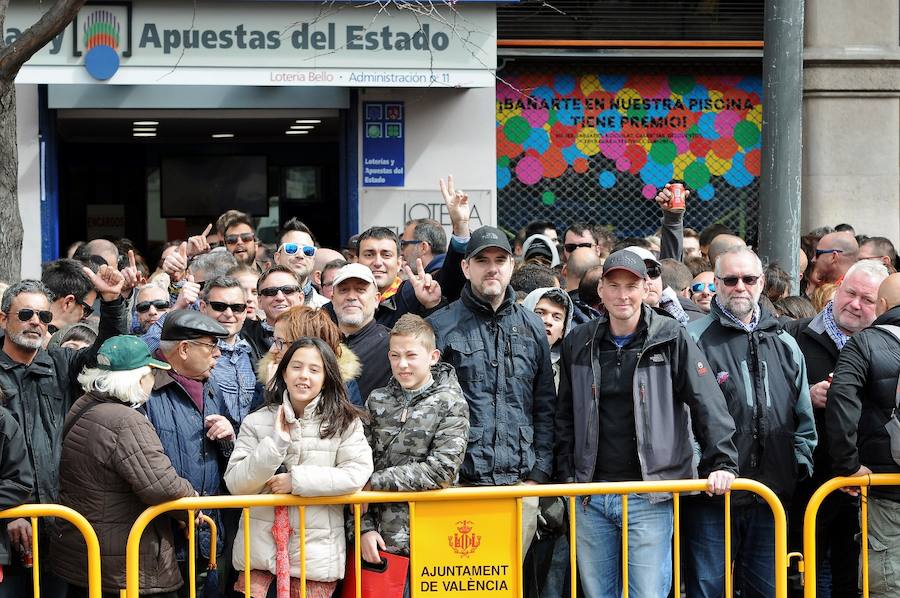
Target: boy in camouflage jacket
<point>418,431</point>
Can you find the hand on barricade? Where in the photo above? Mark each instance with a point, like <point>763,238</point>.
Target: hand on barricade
<point>369,544</point>
<point>19,532</point>
<point>280,483</point>
<point>854,490</point>
<point>719,482</point>
<point>198,243</point>
<point>428,290</point>
<point>457,203</point>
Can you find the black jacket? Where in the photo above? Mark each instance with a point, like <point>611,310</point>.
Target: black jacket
<point>16,476</point>
<point>763,377</point>
<point>821,355</point>
<point>502,361</point>
<point>260,338</point>
<point>860,402</point>
<point>672,387</point>
<point>371,346</point>
<point>40,394</point>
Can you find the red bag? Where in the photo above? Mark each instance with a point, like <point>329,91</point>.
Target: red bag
<point>384,580</point>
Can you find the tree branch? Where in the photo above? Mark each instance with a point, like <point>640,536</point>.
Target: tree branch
<point>51,23</point>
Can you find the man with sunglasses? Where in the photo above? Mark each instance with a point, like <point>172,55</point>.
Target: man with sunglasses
<point>40,385</point>
<point>703,289</point>
<point>835,253</point>
<point>761,371</point>
<point>239,238</point>
<point>297,251</point>
<point>72,292</point>
<point>150,303</point>
<point>279,290</point>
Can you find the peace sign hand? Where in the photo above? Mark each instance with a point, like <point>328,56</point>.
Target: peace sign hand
<point>428,291</point>
<point>198,243</point>
<point>133,276</point>
<point>457,203</point>
<point>107,281</point>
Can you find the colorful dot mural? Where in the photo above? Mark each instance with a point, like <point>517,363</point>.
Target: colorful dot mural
<point>639,130</point>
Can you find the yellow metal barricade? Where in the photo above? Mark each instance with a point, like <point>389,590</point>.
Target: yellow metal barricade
<point>32,513</point>
<point>809,524</point>
<point>466,496</point>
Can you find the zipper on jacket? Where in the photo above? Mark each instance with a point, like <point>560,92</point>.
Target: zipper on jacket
<point>646,417</point>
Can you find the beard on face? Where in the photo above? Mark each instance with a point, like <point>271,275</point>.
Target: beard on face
<point>740,307</point>
<point>26,342</point>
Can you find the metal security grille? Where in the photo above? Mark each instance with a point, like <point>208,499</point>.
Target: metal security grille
<point>595,143</point>
<point>631,19</point>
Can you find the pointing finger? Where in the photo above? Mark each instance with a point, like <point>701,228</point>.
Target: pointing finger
<point>131,262</point>
<point>182,250</point>
<point>206,230</point>
<point>450,184</point>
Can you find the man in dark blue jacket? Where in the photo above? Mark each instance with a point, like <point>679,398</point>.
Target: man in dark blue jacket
<point>762,373</point>
<point>188,414</point>
<point>502,361</point>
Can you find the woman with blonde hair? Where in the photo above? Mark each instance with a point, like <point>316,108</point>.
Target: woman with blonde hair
<point>301,321</point>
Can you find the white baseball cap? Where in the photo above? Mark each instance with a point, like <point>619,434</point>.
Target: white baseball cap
<point>353,271</point>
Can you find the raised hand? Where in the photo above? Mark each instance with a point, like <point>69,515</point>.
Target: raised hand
<point>133,276</point>
<point>457,203</point>
<point>428,290</point>
<point>176,262</point>
<point>107,281</point>
<point>190,292</point>
<point>665,196</point>
<point>198,243</point>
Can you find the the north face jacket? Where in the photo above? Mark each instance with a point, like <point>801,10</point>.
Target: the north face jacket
<point>763,377</point>
<point>418,443</point>
<point>502,362</point>
<point>860,401</point>
<point>672,387</point>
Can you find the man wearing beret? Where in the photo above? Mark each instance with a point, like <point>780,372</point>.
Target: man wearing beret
<point>187,413</point>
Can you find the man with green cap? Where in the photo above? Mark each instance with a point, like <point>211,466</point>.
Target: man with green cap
<point>112,467</point>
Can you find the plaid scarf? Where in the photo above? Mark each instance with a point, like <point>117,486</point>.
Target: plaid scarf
<point>749,327</point>
<point>834,332</point>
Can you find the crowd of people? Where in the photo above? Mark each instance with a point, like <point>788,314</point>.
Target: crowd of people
<point>417,362</point>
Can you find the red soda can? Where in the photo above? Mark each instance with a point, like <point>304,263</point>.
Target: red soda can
<point>676,204</point>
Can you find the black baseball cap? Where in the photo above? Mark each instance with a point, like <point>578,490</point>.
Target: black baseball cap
<point>487,236</point>
<point>625,260</point>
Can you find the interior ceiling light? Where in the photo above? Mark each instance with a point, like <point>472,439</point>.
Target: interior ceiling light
<point>145,123</point>
<point>143,134</point>
<point>302,127</point>
<point>144,129</point>
<point>308,121</point>
<point>296,132</point>
<point>222,135</point>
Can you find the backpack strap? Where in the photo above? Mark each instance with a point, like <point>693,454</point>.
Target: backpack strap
<point>74,420</point>
<point>895,332</point>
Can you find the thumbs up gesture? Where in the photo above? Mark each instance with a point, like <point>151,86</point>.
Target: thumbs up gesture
<point>176,262</point>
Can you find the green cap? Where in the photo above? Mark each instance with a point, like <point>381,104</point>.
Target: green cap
<point>123,353</point>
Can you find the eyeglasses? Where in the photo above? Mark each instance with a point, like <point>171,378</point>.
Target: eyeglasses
<point>730,281</point>
<point>159,304</point>
<point>406,242</point>
<point>220,306</point>
<point>278,344</point>
<point>292,248</point>
<point>211,346</point>
<point>88,309</point>
<point>570,247</point>
<point>285,290</point>
<point>822,251</point>
<point>245,237</point>
<point>44,316</point>
<point>698,287</point>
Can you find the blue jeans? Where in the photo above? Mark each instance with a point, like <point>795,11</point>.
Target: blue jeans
<point>752,548</point>
<point>649,547</point>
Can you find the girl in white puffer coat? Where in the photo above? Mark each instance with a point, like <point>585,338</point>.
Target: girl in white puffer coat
<point>307,440</point>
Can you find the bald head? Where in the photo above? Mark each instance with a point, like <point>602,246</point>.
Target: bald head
<point>835,253</point>
<point>888,294</point>
<point>721,244</point>
<point>105,249</point>
<point>325,255</point>
<point>580,261</point>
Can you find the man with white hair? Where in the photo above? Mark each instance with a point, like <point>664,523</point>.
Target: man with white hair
<point>762,373</point>
<point>821,339</point>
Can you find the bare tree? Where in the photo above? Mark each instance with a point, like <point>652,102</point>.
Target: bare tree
<point>12,57</point>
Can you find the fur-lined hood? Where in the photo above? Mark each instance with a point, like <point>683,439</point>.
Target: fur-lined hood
<point>347,360</point>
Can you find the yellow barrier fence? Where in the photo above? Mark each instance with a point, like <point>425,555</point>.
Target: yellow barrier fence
<point>32,513</point>
<point>812,511</point>
<point>465,539</point>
